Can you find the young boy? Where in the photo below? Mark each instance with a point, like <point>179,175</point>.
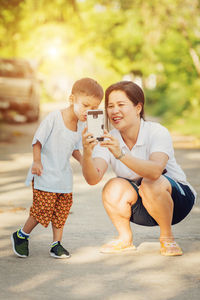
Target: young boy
<point>57,138</point>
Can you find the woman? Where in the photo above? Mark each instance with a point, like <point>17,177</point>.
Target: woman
<point>150,188</point>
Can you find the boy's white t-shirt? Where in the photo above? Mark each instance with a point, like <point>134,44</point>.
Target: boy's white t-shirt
<point>152,137</point>
<point>58,142</point>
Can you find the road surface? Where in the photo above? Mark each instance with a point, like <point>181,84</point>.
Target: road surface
<point>89,275</point>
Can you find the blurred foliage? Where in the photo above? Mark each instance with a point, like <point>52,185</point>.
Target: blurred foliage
<point>157,41</point>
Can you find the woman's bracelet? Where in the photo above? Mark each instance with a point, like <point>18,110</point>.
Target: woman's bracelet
<point>121,154</point>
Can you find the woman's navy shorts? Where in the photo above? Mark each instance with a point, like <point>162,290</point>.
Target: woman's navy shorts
<point>183,202</point>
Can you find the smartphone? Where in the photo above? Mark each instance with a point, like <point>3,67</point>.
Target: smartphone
<point>95,123</point>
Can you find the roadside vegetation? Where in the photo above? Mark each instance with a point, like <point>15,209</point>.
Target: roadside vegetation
<point>155,43</point>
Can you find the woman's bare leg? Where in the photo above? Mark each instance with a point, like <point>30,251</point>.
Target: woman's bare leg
<point>156,197</point>
<point>118,197</point>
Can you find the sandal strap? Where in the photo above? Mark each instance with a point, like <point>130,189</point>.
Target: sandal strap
<point>170,244</point>
<point>117,245</point>
<point>170,248</point>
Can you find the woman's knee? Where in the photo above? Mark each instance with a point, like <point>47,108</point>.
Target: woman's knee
<point>153,189</point>
<point>111,191</point>
<point>118,190</point>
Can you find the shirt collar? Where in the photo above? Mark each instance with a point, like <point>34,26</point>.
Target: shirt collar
<point>141,136</point>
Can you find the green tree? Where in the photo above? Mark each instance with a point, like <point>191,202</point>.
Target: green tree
<point>150,37</point>
<point>110,39</point>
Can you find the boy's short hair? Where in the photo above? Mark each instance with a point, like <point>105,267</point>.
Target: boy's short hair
<point>88,87</point>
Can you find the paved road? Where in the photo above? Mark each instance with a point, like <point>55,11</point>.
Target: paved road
<point>89,275</point>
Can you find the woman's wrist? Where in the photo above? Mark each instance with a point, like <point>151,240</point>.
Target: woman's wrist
<point>122,153</point>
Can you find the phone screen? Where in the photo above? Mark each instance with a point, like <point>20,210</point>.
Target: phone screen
<point>95,123</point>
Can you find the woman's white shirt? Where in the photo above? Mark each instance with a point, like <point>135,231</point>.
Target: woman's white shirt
<point>152,137</point>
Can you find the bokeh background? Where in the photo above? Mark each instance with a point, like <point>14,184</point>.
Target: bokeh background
<point>154,43</point>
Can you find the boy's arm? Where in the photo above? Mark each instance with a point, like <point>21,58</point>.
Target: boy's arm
<point>77,155</point>
<point>37,164</point>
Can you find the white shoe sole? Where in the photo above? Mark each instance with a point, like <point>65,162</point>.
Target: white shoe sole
<point>59,257</point>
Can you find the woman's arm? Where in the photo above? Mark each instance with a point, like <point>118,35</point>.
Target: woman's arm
<point>151,168</point>
<point>93,168</point>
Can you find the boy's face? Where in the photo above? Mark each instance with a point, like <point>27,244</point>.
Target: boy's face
<point>82,103</point>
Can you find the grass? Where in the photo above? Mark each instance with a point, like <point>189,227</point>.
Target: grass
<point>184,126</point>
<point>186,131</point>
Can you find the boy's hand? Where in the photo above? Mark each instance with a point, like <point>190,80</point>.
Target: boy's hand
<point>37,168</point>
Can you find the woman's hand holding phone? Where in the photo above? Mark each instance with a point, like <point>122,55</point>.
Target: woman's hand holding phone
<point>111,143</point>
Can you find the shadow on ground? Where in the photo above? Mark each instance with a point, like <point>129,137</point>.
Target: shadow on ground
<point>138,275</point>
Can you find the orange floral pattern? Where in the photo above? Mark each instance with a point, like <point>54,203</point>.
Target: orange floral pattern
<point>51,207</point>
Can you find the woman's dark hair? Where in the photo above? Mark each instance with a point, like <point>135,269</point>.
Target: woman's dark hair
<point>132,90</point>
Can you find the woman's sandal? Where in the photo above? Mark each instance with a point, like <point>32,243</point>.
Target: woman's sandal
<point>170,248</point>
<point>116,246</point>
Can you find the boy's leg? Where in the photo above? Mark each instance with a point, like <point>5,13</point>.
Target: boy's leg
<point>57,250</point>
<point>57,233</point>
<point>42,200</point>
<point>30,225</point>
<point>20,238</point>
<point>61,212</point>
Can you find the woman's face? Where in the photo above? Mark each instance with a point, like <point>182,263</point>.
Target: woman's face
<point>121,111</point>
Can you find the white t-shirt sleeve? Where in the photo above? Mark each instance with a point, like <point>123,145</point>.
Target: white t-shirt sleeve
<point>161,141</point>
<point>44,130</point>
<point>101,152</point>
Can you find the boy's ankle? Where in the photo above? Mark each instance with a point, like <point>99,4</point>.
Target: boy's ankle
<point>23,234</point>
<point>54,243</point>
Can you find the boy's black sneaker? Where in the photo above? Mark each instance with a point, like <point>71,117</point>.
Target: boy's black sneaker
<point>20,245</point>
<point>58,251</point>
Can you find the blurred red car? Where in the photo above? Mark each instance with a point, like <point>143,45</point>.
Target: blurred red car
<point>19,90</point>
